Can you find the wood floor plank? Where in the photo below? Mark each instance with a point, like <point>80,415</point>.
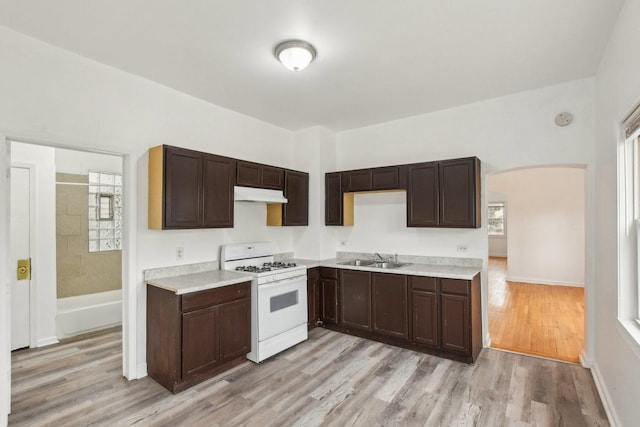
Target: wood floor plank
<point>331,379</point>
<point>540,320</point>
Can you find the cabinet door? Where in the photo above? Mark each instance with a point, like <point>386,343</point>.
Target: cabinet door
<point>248,174</point>
<point>329,301</point>
<point>389,304</point>
<point>459,193</point>
<point>219,179</point>
<point>235,328</point>
<point>386,178</point>
<point>422,195</point>
<point>333,198</point>
<point>296,190</point>
<point>355,299</point>
<point>455,323</point>
<point>182,188</point>
<point>425,324</point>
<point>272,177</point>
<point>358,180</point>
<point>200,341</point>
<point>313,297</point>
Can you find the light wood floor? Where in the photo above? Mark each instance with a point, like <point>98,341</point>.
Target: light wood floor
<point>331,379</point>
<point>541,320</point>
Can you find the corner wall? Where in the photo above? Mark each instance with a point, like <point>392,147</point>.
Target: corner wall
<point>617,358</point>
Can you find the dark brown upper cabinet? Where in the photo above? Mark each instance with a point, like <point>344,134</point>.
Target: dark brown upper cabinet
<point>358,180</point>
<point>189,189</point>
<point>261,176</point>
<point>296,210</point>
<point>333,198</point>
<point>439,194</point>
<point>422,195</point>
<point>386,178</point>
<point>296,190</point>
<point>460,193</point>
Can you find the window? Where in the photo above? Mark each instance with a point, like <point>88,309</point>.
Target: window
<point>105,211</point>
<point>629,226</point>
<point>496,219</point>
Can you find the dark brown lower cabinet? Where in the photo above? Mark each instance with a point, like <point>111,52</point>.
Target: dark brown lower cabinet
<point>355,299</point>
<point>313,297</point>
<point>433,315</point>
<point>195,336</point>
<point>389,304</point>
<point>329,296</point>
<point>455,323</point>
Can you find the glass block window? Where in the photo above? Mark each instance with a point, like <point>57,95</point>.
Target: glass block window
<point>496,219</point>
<point>105,211</point>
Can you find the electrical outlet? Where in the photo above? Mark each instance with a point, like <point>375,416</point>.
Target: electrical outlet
<point>179,254</point>
<point>462,248</point>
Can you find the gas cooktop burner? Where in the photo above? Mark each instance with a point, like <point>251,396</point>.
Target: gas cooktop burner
<point>278,265</point>
<point>267,266</point>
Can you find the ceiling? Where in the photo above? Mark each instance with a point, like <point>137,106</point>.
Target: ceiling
<point>378,60</point>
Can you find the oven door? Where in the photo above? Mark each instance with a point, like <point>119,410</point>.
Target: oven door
<point>281,306</point>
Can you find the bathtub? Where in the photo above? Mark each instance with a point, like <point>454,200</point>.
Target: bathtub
<point>86,313</point>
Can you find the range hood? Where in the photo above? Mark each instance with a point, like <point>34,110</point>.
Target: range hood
<point>250,194</point>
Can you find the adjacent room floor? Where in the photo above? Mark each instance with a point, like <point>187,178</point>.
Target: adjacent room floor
<point>541,320</point>
<point>331,379</point>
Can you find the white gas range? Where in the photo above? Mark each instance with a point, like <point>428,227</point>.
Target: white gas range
<point>278,297</point>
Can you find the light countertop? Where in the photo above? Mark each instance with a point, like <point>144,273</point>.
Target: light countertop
<point>195,282</point>
<point>431,270</point>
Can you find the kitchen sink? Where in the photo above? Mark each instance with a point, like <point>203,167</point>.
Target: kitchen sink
<point>358,262</point>
<point>387,265</point>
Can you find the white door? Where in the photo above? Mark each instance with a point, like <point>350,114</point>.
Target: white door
<point>19,241</point>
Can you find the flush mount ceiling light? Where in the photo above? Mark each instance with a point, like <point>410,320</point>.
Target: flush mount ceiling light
<point>295,54</point>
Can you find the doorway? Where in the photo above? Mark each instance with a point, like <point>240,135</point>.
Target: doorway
<point>537,261</point>
<point>76,242</point>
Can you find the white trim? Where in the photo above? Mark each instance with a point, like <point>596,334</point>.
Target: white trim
<point>33,281</point>
<point>631,334</point>
<point>543,282</point>
<point>585,361</point>
<point>130,283</point>
<point>47,341</point>
<point>607,402</point>
<point>141,370</point>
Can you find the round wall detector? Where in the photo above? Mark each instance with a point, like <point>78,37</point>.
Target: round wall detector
<point>563,119</point>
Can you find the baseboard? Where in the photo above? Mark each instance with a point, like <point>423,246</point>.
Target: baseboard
<point>585,361</point>
<point>47,341</point>
<point>609,409</point>
<point>141,370</point>
<point>543,282</point>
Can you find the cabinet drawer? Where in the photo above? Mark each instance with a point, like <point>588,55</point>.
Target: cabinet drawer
<point>454,286</point>
<point>329,273</point>
<point>215,296</point>
<point>422,283</point>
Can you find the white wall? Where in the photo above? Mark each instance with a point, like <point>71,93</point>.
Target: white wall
<point>498,244</point>
<point>43,252</point>
<point>54,96</point>
<point>617,357</point>
<point>546,224</point>
<point>81,162</point>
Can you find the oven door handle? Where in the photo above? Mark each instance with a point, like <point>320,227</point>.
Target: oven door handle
<point>281,282</point>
